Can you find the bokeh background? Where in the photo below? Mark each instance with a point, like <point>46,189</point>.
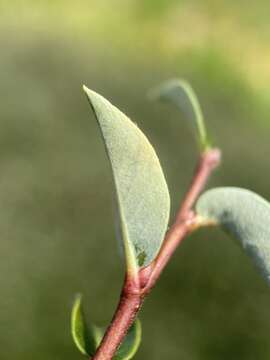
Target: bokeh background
<point>57,223</point>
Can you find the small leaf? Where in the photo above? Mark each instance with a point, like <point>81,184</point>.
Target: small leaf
<point>245,215</point>
<point>141,189</point>
<point>87,339</point>
<point>180,93</point>
<point>131,343</point>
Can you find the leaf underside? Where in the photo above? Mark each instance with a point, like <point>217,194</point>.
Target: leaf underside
<point>141,190</point>
<point>87,338</point>
<point>245,215</point>
<point>179,93</point>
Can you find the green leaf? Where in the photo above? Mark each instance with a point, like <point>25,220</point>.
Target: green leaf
<point>87,339</point>
<point>131,342</point>
<point>245,215</point>
<point>141,189</point>
<point>180,93</point>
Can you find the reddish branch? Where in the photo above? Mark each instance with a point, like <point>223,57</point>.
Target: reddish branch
<point>135,289</point>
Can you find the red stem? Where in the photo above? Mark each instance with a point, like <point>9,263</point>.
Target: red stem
<point>133,291</point>
<point>185,220</point>
<point>129,304</point>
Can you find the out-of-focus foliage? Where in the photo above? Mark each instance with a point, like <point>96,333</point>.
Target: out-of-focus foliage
<point>243,214</point>
<point>55,183</point>
<point>179,93</point>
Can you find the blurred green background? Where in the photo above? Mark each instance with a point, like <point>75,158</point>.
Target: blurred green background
<point>57,223</point>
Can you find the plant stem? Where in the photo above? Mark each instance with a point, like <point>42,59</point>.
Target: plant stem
<point>134,291</point>
<point>186,220</point>
<point>129,304</point>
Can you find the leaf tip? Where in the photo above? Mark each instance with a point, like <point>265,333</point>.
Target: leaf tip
<point>89,93</point>
<point>162,92</point>
<point>85,88</point>
<point>77,301</point>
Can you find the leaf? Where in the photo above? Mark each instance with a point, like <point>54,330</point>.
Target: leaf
<point>245,215</point>
<point>141,189</point>
<point>87,339</point>
<point>131,343</point>
<point>180,93</point>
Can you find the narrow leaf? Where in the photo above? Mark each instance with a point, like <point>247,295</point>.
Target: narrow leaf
<point>245,215</point>
<point>180,93</point>
<point>131,342</point>
<point>88,338</point>
<point>141,189</point>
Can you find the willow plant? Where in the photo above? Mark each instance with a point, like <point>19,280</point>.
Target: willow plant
<point>143,214</point>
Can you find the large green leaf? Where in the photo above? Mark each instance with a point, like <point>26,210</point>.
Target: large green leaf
<point>141,189</point>
<point>180,93</point>
<point>87,338</point>
<point>245,215</point>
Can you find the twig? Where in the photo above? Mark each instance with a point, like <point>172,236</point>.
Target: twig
<point>134,292</point>
<point>129,304</point>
